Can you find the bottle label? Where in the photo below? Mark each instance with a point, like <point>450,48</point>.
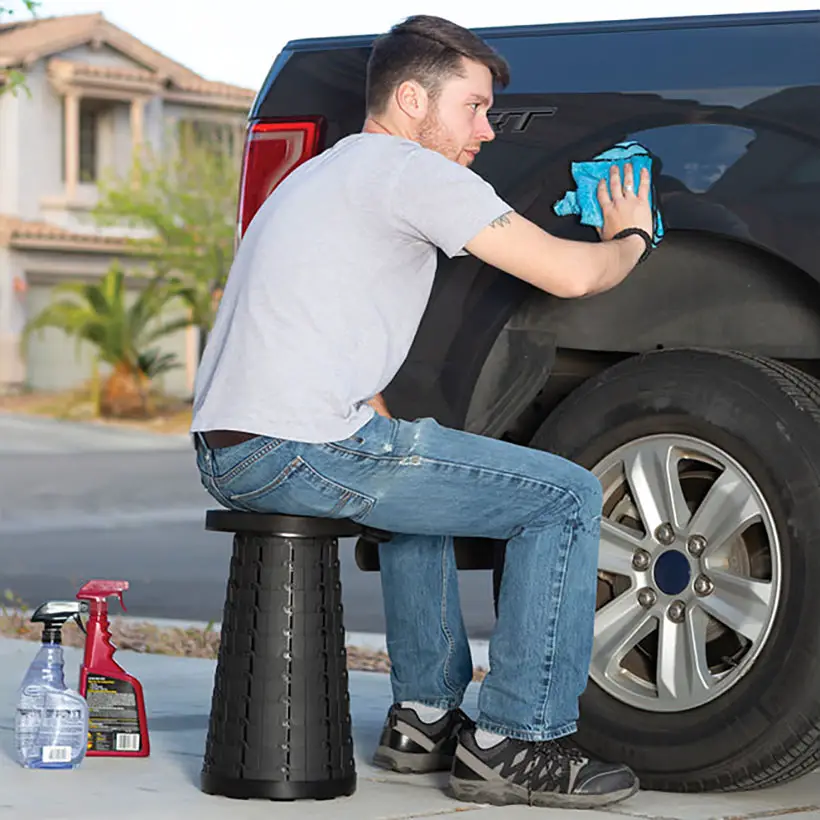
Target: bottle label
<point>56,754</point>
<point>113,719</point>
<point>50,727</point>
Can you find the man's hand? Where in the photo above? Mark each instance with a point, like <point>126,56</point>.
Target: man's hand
<point>378,404</point>
<point>624,208</point>
<point>563,267</point>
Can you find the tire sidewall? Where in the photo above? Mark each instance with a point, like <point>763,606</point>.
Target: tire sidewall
<point>733,406</point>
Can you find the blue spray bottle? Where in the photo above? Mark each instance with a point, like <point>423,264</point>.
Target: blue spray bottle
<point>51,724</point>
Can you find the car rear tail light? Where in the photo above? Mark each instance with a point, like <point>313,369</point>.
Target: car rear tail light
<point>272,151</point>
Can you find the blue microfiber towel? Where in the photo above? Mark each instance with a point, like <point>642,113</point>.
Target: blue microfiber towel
<point>587,175</point>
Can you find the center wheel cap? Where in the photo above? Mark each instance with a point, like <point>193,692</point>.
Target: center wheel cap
<point>672,572</point>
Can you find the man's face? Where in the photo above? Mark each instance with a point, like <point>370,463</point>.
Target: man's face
<point>456,124</point>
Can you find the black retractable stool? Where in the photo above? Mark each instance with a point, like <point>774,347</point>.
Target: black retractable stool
<point>280,713</point>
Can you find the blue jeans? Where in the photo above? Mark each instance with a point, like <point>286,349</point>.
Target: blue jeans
<point>425,484</point>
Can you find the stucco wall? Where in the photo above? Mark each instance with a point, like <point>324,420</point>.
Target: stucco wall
<point>103,56</point>
<point>12,371</point>
<point>9,152</point>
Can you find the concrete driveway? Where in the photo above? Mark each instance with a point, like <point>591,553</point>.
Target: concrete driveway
<point>166,784</point>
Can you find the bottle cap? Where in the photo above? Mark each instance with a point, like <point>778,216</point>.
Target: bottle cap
<point>58,611</point>
<point>53,614</point>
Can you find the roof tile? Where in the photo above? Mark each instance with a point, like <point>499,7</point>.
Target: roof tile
<point>15,231</point>
<point>25,41</point>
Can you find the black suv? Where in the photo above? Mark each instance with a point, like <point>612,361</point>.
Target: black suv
<point>690,390</point>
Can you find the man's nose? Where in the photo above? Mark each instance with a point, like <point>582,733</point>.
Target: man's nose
<point>485,131</point>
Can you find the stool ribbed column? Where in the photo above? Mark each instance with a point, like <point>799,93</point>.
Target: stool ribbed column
<point>280,714</point>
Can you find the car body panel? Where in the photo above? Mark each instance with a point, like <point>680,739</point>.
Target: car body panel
<point>736,136</point>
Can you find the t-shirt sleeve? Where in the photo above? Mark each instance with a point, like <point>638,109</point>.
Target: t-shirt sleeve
<point>442,202</point>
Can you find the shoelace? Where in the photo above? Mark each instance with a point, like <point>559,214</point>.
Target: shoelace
<point>550,765</point>
<point>572,750</point>
<point>555,757</point>
<point>560,748</point>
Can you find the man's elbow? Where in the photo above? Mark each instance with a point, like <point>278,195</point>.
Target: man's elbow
<point>575,287</point>
<point>579,290</point>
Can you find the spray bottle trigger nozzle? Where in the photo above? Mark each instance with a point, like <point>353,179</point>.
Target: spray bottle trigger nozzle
<point>122,603</point>
<point>99,590</point>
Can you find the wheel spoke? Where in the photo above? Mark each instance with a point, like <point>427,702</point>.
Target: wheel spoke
<point>617,546</point>
<point>683,674</point>
<point>619,626</point>
<point>742,604</point>
<point>727,510</point>
<point>652,473</point>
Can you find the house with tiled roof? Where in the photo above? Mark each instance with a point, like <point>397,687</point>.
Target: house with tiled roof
<point>95,94</point>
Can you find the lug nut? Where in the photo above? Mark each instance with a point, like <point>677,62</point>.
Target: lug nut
<point>665,534</point>
<point>676,611</point>
<point>696,544</point>
<point>641,560</point>
<point>703,585</point>
<point>647,598</point>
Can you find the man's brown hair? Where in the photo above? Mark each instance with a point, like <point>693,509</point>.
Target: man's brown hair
<point>428,50</point>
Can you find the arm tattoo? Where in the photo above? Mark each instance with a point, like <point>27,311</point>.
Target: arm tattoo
<point>502,221</point>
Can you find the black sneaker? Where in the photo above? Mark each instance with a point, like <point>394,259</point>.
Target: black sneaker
<point>410,746</point>
<point>552,773</point>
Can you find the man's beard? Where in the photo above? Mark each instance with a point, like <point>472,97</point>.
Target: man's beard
<point>433,135</point>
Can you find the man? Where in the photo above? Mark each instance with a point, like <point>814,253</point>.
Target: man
<point>321,306</point>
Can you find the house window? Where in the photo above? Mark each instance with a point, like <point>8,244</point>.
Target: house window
<point>89,132</point>
<point>89,140</point>
<point>222,138</point>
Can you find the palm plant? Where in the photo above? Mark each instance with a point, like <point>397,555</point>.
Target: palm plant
<point>122,335</point>
<point>186,200</point>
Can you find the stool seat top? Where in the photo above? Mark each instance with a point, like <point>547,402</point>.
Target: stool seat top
<point>295,526</point>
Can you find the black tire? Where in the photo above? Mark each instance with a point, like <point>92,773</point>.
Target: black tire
<point>765,729</point>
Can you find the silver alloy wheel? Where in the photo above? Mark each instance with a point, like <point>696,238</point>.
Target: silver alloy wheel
<point>689,573</point>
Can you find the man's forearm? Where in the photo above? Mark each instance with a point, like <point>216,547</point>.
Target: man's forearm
<point>378,404</point>
<point>619,258</point>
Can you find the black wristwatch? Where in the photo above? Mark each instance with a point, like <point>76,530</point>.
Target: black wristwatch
<point>643,235</point>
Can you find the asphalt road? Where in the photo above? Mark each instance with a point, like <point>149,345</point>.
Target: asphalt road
<point>78,502</point>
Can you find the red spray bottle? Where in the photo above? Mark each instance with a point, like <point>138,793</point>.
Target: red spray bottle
<point>117,726</point>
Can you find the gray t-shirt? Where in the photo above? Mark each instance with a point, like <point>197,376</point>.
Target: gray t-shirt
<point>329,285</point>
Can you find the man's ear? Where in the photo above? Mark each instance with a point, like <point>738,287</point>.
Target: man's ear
<point>412,100</point>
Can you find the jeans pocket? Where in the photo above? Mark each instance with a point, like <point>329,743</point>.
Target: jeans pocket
<point>297,488</point>
<point>231,463</point>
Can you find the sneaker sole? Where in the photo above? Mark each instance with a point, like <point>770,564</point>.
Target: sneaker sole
<point>411,762</point>
<point>503,793</point>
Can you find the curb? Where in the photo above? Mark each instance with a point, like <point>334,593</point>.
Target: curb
<point>376,642</point>
<point>372,641</point>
